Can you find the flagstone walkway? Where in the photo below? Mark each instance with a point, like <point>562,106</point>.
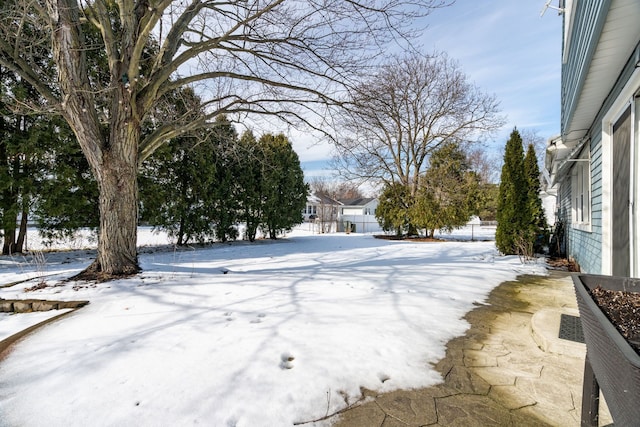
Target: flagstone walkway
<point>510,369</point>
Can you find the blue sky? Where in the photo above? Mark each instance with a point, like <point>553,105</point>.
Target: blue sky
<point>505,48</point>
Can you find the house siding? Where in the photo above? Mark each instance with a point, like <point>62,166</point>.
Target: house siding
<point>586,246</point>
<point>590,17</point>
<point>599,61</point>
<point>596,189</point>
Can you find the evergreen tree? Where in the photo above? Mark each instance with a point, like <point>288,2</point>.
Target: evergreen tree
<point>17,158</point>
<point>393,208</point>
<point>448,193</point>
<point>223,205</point>
<point>39,175</point>
<point>489,203</point>
<point>173,183</point>
<point>285,192</point>
<point>180,186</point>
<point>250,182</point>
<point>538,222</point>
<point>68,193</point>
<point>513,213</point>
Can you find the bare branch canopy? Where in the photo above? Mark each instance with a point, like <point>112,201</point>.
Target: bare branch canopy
<point>106,65</point>
<point>407,109</point>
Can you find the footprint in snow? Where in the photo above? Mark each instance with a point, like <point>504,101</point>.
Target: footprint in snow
<point>259,319</point>
<point>383,377</point>
<point>286,360</point>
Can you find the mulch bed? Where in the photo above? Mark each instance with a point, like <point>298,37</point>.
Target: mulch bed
<point>623,310</point>
<point>562,264</point>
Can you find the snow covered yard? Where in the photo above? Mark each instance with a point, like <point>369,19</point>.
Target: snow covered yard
<point>263,334</point>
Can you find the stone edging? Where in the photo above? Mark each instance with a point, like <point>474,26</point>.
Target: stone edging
<point>31,305</point>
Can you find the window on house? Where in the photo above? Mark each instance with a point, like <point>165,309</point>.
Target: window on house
<point>581,191</point>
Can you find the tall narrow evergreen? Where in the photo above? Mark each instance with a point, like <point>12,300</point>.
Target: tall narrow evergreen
<point>538,222</point>
<point>285,193</point>
<point>222,204</point>
<point>250,183</point>
<point>513,208</point>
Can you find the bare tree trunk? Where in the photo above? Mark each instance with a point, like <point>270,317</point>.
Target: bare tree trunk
<point>9,243</point>
<point>22,233</point>
<point>117,253</point>
<point>9,246</point>
<point>118,184</point>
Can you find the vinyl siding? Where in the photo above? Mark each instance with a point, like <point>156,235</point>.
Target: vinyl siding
<point>586,246</point>
<point>589,20</point>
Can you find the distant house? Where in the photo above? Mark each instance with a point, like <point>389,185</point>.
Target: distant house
<point>549,191</point>
<point>358,215</point>
<point>328,215</point>
<point>595,164</point>
<point>322,211</point>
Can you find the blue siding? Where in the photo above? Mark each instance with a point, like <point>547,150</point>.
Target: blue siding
<point>589,19</point>
<point>564,210</point>
<point>585,247</point>
<point>596,185</point>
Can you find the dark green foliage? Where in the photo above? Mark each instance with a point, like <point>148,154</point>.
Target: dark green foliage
<point>185,187</point>
<point>514,234</point>
<point>222,201</point>
<point>489,203</point>
<point>201,189</point>
<point>172,184</point>
<point>250,182</point>
<point>43,173</point>
<point>17,161</point>
<point>538,222</point>
<point>448,193</point>
<point>67,198</point>
<point>393,208</point>
<point>284,190</point>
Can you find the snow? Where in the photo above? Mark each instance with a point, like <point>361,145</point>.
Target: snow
<point>269,333</point>
<point>11,323</point>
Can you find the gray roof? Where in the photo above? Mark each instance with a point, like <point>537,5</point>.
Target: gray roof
<point>357,202</point>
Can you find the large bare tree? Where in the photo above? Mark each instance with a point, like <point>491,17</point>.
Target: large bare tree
<point>407,109</point>
<point>286,58</point>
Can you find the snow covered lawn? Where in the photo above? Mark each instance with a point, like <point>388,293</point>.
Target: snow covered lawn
<point>263,334</point>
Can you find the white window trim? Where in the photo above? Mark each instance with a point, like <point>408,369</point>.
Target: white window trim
<point>581,192</point>
<point>625,98</point>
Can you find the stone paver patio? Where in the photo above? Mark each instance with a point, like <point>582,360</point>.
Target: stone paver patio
<point>497,374</point>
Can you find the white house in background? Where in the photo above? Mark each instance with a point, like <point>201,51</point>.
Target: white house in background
<point>358,215</point>
<point>322,211</point>
<point>555,154</point>
<point>327,215</point>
